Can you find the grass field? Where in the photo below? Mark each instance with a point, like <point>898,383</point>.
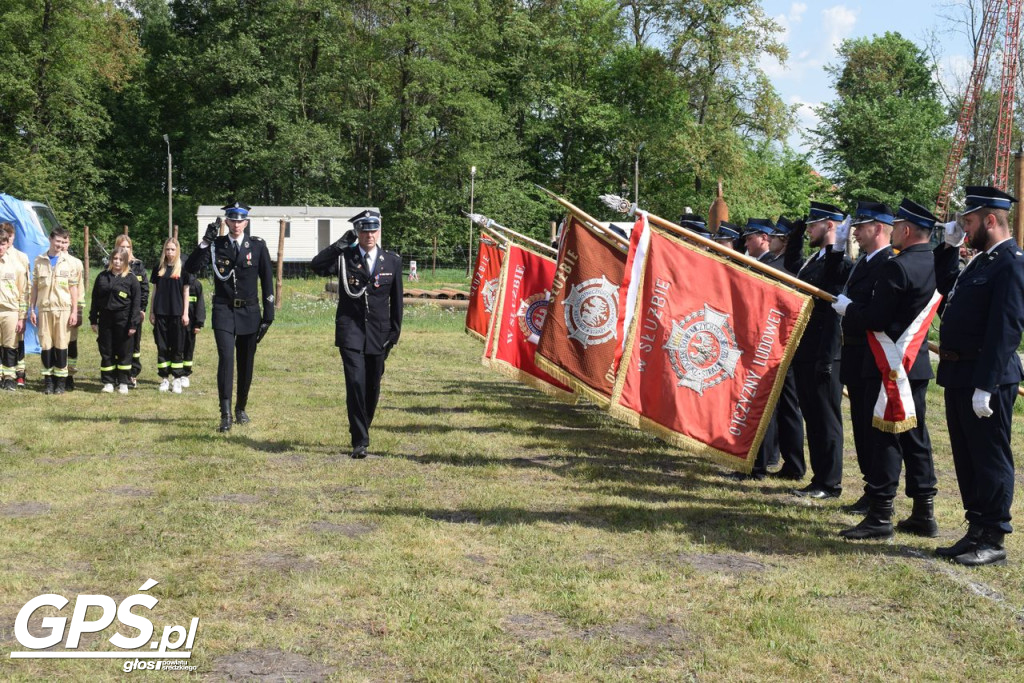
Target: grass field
<point>495,535</point>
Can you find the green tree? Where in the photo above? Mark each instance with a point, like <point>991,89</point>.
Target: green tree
<point>884,137</point>
<point>60,59</point>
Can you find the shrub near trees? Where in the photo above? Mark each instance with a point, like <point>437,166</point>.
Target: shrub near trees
<point>291,102</point>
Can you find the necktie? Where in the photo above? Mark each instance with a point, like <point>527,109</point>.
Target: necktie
<point>369,264</point>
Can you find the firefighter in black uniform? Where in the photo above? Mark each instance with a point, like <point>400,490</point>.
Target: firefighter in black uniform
<point>790,422</point>
<point>902,293</point>
<point>872,231</point>
<point>816,362</point>
<point>139,271</point>
<point>980,370</point>
<point>241,263</point>
<point>369,318</point>
<point>196,321</point>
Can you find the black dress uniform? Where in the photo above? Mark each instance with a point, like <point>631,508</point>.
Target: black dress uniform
<point>816,362</point>
<point>239,275</point>
<point>978,338</point>
<point>904,289</point>
<point>789,419</point>
<point>368,323</point>
<point>768,453</point>
<point>856,365</point>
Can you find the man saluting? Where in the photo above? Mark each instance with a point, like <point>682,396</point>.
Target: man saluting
<point>239,261</point>
<point>369,318</point>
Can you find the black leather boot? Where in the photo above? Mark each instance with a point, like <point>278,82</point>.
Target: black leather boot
<point>988,549</point>
<point>70,384</point>
<point>225,416</point>
<point>241,417</point>
<point>876,524</point>
<point>858,507</point>
<point>921,521</point>
<point>59,384</point>
<point>48,384</point>
<point>963,545</point>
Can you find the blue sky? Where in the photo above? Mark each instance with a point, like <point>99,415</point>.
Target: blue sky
<point>813,30</point>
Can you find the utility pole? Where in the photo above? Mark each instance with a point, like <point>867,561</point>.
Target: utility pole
<point>170,198</point>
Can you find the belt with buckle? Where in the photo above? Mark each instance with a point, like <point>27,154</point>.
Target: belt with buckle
<point>236,303</point>
<point>945,354</point>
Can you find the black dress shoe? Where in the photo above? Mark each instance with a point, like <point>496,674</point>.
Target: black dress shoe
<point>359,452</point>
<point>225,423</point>
<point>788,475</point>
<point>814,492</point>
<point>241,417</point>
<point>743,476</point>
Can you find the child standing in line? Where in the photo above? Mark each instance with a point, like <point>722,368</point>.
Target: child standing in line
<point>114,314</point>
<point>197,318</point>
<point>139,271</point>
<point>169,315</point>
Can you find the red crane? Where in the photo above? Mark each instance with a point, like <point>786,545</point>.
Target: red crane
<point>991,15</point>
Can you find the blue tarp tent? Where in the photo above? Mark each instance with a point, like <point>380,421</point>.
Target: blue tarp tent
<point>27,238</point>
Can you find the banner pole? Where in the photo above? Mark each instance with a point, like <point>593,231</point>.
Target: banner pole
<point>594,224</point>
<point>487,224</point>
<point>621,205</point>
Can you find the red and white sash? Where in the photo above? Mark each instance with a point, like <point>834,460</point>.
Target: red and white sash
<point>894,410</point>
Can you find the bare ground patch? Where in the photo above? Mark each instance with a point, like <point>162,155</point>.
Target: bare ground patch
<point>349,529</point>
<point>279,562</point>
<point>24,509</point>
<point>267,665</point>
<point>240,498</point>
<point>721,563</point>
<point>538,626</point>
<point>129,492</point>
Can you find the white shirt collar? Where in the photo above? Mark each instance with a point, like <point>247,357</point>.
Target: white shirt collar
<point>989,250</point>
<point>869,256</point>
<point>372,253</point>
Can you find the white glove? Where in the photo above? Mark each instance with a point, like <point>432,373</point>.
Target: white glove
<point>980,403</point>
<point>840,304</point>
<point>954,232</point>
<point>842,235</point>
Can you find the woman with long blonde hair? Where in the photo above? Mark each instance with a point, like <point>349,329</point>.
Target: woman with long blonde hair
<point>169,315</point>
<point>116,299</point>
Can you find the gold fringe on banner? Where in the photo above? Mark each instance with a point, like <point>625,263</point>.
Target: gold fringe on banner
<point>512,372</point>
<point>583,389</point>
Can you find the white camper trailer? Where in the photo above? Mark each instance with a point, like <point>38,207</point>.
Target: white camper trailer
<point>308,229</point>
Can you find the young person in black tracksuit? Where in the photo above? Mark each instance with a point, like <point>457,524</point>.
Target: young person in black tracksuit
<point>116,301</point>
<point>196,320</point>
<point>139,271</point>
<point>169,315</point>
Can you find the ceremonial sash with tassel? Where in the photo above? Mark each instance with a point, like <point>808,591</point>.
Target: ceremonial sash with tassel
<point>894,410</point>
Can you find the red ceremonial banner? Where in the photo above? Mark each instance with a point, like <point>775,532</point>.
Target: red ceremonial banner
<point>707,351</point>
<point>579,342</point>
<point>519,319</point>
<point>483,292</point>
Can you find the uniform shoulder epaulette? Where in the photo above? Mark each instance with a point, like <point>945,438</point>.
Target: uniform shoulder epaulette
<point>256,238</point>
<point>393,253</point>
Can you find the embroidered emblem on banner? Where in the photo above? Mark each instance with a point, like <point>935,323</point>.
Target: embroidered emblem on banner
<point>590,311</point>
<point>532,314</point>
<point>490,294</point>
<point>702,349</point>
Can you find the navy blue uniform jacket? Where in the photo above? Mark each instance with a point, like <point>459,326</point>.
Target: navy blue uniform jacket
<point>983,319</point>
<point>372,322</point>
